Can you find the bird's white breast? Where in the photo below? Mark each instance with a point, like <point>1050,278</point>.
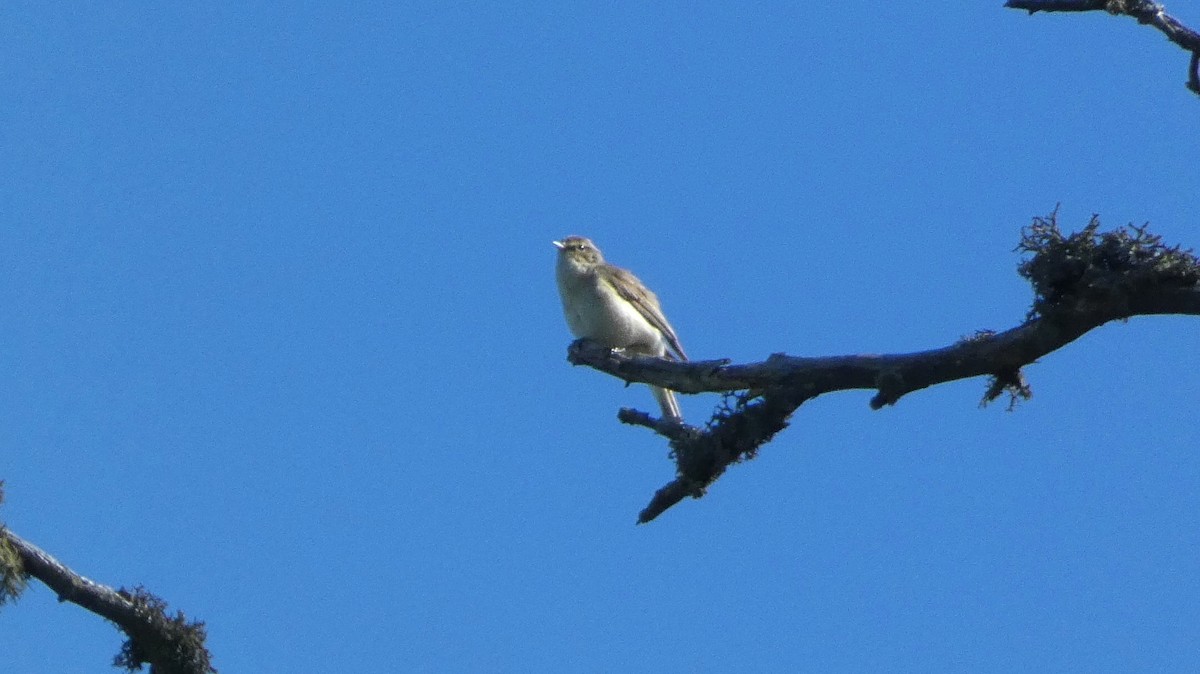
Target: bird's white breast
<point>593,309</point>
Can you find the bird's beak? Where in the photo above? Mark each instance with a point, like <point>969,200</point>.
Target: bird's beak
<point>557,244</point>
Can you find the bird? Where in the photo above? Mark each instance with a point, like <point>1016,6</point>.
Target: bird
<point>610,306</point>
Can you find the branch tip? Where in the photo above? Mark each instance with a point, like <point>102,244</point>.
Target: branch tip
<point>1145,12</point>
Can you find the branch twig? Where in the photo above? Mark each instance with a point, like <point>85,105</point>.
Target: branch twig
<point>1144,11</point>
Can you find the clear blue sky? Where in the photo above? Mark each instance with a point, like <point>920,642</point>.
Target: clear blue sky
<point>281,339</point>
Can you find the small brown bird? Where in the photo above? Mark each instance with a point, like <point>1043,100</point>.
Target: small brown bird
<point>611,306</point>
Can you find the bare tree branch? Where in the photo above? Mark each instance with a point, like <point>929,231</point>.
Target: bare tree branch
<point>1057,5</point>
<point>169,645</point>
<point>1144,11</point>
<point>1081,282</point>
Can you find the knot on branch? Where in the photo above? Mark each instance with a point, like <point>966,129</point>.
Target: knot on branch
<point>1089,269</point>
<point>889,385</point>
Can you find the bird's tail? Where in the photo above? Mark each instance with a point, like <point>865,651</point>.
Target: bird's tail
<point>668,403</point>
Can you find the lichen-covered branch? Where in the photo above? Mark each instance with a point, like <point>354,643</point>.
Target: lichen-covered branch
<point>1080,282</point>
<point>1145,11</point>
<point>170,645</point>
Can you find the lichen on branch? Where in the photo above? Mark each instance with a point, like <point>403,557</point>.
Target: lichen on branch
<point>1070,272</point>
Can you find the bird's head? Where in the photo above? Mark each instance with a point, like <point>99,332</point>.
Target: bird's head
<point>578,251</point>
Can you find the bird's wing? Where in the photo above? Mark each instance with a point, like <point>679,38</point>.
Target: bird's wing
<point>646,302</point>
